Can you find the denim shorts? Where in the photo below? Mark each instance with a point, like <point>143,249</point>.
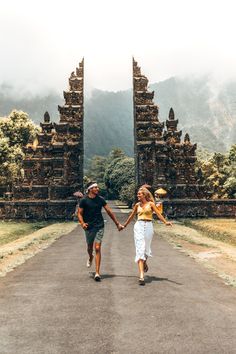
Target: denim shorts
<point>94,235</point>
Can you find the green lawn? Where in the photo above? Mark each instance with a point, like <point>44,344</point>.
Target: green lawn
<point>12,230</point>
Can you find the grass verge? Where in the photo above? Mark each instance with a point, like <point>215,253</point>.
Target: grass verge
<point>218,229</point>
<point>18,251</point>
<point>13,230</point>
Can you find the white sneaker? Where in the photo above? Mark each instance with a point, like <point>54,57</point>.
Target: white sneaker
<point>89,263</point>
<point>97,277</point>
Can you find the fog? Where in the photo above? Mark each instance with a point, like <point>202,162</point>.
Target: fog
<point>42,42</point>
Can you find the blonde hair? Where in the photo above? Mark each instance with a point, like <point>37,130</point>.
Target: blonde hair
<point>147,194</point>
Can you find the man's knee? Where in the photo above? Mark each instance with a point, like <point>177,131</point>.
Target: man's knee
<point>97,247</point>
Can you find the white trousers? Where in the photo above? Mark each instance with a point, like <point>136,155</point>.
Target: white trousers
<point>143,233</point>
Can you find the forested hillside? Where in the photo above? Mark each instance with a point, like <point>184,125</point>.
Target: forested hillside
<point>108,122</point>
<point>207,112</point>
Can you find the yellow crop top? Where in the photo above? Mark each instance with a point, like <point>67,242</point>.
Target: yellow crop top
<point>144,213</point>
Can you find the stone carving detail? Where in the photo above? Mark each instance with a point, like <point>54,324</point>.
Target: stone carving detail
<point>162,160</point>
<point>53,167</point>
<point>143,98</point>
<point>46,117</point>
<point>73,98</point>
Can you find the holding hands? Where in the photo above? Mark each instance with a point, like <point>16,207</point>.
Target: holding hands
<point>120,227</point>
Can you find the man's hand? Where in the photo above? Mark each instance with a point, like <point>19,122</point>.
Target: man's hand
<point>120,227</point>
<point>84,225</point>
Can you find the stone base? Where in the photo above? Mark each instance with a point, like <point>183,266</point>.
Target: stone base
<point>45,192</point>
<point>64,209</point>
<point>202,208</point>
<point>38,209</point>
<point>183,191</point>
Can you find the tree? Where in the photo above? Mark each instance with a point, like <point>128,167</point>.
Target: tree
<point>219,173</point>
<point>119,176</point>
<point>122,174</point>
<point>113,158</point>
<point>230,169</point>
<point>96,168</point>
<point>18,128</point>
<point>15,132</point>
<point>96,171</point>
<point>114,172</point>
<point>116,153</point>
<point>127,193</point>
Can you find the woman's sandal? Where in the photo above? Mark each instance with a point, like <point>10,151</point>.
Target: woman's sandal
<point>141,281</point>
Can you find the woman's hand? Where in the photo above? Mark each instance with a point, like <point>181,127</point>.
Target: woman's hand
<point>168,223</point>
<point>120,227</point>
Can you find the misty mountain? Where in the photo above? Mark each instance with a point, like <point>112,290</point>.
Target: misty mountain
<point>108,122</point>
<point>35,106</point>
<point>206,112</point>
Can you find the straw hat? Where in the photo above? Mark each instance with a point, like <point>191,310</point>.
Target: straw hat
<point>160,191</point>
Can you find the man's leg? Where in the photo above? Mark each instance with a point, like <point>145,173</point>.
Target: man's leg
<point>98,257</point>
<point>90,251</point>
<point>90,240</point>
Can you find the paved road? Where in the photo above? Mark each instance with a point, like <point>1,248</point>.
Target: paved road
<point>52,305</point>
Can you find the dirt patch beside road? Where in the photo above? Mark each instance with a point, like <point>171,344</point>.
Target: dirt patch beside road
<point>217,256</point>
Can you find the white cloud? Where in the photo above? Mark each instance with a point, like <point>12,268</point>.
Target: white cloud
<point>42,42</point>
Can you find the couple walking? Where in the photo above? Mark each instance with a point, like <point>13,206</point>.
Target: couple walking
<point>91,220</point>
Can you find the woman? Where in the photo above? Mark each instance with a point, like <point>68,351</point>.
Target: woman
<point>143,229</point>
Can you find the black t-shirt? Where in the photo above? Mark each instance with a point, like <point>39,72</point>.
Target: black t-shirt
<point>92,214</point>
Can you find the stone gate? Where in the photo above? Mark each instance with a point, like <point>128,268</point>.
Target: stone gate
<point>53,164</point>
<point>163,160</point>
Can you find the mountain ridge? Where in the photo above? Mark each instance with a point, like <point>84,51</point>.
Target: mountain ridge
<point>205,111</point>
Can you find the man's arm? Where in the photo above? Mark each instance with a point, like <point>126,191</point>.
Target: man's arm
<point>81,219</point>
<point>112,216</point>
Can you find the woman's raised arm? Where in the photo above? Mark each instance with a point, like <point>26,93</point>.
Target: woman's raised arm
<point>159,215</point>
<point>134,211</point>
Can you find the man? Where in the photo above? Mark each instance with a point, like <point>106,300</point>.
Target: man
<point>91,220</point>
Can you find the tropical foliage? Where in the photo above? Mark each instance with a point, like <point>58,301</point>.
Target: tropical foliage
<point>15,132</point>
<point>219,173</point>
<point>115,174</point>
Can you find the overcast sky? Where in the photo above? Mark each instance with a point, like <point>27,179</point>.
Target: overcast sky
<point>42,41</point>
